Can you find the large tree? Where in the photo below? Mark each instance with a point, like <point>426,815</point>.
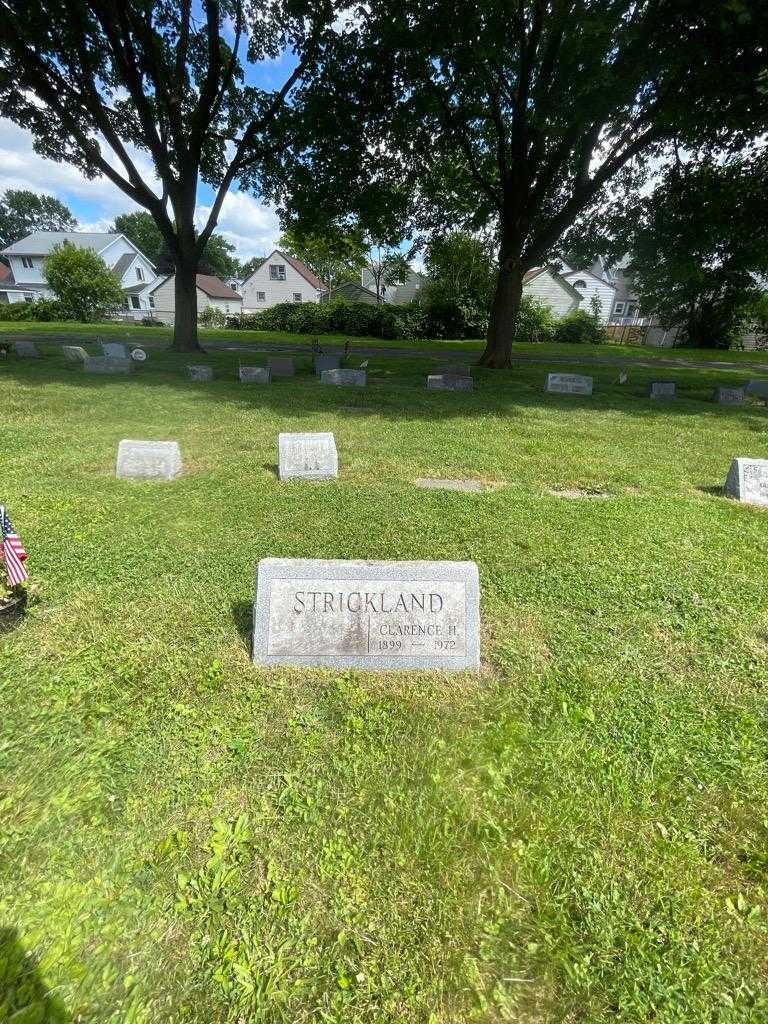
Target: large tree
<point>334,255</point>
<point>167,80</point>
<point>516,116</point>
<point>22,212</point>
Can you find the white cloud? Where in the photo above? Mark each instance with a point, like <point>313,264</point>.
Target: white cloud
<point>251,226</point>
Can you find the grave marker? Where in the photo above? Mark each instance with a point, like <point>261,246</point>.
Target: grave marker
<point>344,378</point>
<point>326,363</point>
<point>307,456</point>
<point>74,353</point>
<point>568,384</point>
<point>148,460</point>
<point>662,389</point>
<point>728,396</point>
<point>757,388</point>
<point>255,375</point>
<point>376,616</point>
<point>448,382</point>
<point>115,350</point>
<point>26,350</point>
<point>747,481</point>
<point>100,364</point>
<point>199,372</point>
<point>281,366</point>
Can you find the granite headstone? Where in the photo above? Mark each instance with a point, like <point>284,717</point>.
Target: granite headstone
<point>344,378</point>
<point>662,389</point>
<point>255,375</point>
<point>199,372</point>
<point>377,616</point>
<point>281,366</point>
<point>728,396</point>
<point>747,481</point>
<point>324,362</point>
<point>568,384</point>
<point>757,389</point>
<point>115,350</point>
<point>74,353</point>
<point>448,382</point>
<point>307,456</point>
<point>148,460</point>
<point>100,364</point>
<point>26,350</point>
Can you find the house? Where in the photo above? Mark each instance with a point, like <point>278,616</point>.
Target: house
<point>26,259</point>
<point>595,288</point>
<point>626,305</point>
<point>552,289</point>
<point>280,278</point>
<point>352,292</point>
<point>211,292</point>
<point>397,294</point>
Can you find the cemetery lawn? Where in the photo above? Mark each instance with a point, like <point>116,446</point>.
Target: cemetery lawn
<point>578,834</point>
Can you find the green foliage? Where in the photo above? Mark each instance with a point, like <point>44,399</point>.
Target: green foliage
<point>536,321</point>
<point>22,212</point>
<point>360,319</point>
<point>12,312</point>
<point>462,272</point>
<point>219,258</point>
<point>579,328</point>
<point>141,229</point>
<point>85,287</point>
<point>334,255</point>
<point>212,317</point>
<point>41,310</point>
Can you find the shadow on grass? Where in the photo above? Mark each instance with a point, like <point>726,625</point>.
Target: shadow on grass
<point>397,388</point>
<point>242,616</point>
<point>23,994</point>
<point>717,492</point>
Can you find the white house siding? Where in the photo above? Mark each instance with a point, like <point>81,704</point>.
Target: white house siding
<point>165,302</point>
<point>606,293</point>
<point>549,290</point>
<point>276,291</point>
<point>25,273</point>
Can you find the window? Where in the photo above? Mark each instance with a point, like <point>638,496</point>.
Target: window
<point>29,296</point>
<point>135,304</point>
<point>297,296</point>
<point>139,274</point>
<point>619,308</point>
<point>276,271</point>
<point>27,262</point>
<point>261,296</point>
<point>580,284</point>
<point>151,301</point>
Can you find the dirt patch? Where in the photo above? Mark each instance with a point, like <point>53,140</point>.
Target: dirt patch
<point>579,492</point>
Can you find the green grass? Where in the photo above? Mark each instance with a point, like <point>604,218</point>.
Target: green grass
<point>157,336</point>
<point>578,834</point>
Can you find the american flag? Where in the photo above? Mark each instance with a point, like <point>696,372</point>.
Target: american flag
<point>11,550</point>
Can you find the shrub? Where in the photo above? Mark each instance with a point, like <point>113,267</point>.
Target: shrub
<point>579,328</point>
<point>14,311</point>
<point>212,317</point>
<point>41,310</point>
<point>536,321</point>
<point>83,283</point>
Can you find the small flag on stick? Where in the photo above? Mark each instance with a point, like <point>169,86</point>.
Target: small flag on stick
<point>11,550</point>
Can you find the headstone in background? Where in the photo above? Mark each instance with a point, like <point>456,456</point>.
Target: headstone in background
<point>281,366</point>
<point>74,353</point>
<point>115,350</point>
<point>26,350</point>
<point>255,375</point>
<point>100,364</point>
<point>623,377</point>
<point>138,355</point>
<point>148,460</point>
<point>662,389</point>
<point>326,363</point>
<point>728,396</point>
<point>747,481</point>
<point>376,616</point>
<point>448,382</point>
<point>199,372</point>
<point>451,485</point>
<point>757,389</point>
<point>568,384</point>
<point>307,456</point>
<point>349,378</point>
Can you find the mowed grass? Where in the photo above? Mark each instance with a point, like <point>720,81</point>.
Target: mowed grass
<point>578,834</point>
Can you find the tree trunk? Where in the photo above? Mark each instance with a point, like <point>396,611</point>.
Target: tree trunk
<point>185,318</point>
<point>505,310</point>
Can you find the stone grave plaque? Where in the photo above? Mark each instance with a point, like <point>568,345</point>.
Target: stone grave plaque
<point>255,375</point>
<point>568,384</point>
<point>100,364</point>
<point>344,378</point>
<point>281,366</point>
<point>728,396</point>
<point>307,457</point>
<point>448,382</point>
<point>199,372</point>
<point>376,616</point>
<point>757,389</point>
<point>115,350</point>
<point>148,460</point>
<point>326,363</point>
<point>26,350</point>
<point>663,389</point>
<point>747,481</point>
<point>74,353</point>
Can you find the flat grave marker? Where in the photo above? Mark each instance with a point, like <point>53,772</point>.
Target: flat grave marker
<point>324,362</point>
<point>568,384</point>
<point>747,481</point>
<point>377,616</point>
<point>255,375</point>
<point>148,460</point>
<point>27,350</point>
<point>662,389</point>
<point>448,382</point>
<point>100,364</point>
<point>199,372</point>
<point>74,353</point>
<point>307,456</point>
<point>728,396</point>
<point>344,378</point>
<point>281,366</point>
